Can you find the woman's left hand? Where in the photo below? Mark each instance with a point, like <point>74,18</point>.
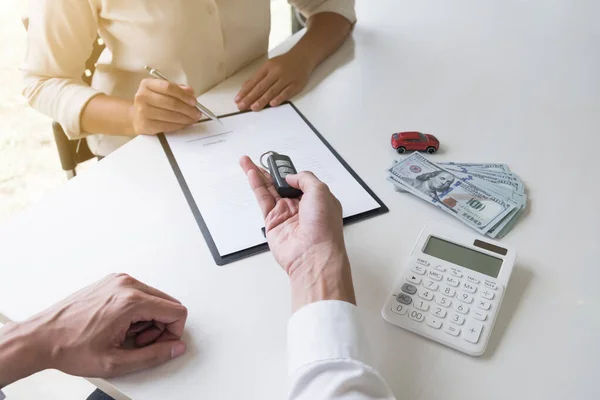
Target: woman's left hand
<point>276,81</point>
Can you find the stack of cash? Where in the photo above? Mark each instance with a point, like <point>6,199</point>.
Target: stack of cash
<point>487,197</point>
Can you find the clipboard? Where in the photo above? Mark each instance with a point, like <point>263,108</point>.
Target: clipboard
<point>263,247</point>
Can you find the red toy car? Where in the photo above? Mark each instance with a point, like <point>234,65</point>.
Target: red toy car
<point>418,141</point>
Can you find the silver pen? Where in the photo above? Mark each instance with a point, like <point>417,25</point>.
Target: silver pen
<point>157,74</point>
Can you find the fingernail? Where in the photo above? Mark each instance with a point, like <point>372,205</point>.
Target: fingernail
<point>178,349</point>
<point>198,115</point>
<point>192,102</point>
<point>254,107</point>
<point>237,98</point>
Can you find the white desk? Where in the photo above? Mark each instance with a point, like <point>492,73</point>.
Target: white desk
<point>515,82</point>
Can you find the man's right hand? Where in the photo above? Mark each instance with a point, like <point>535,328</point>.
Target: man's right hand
<point>161,106</point>
<point>305,236</point>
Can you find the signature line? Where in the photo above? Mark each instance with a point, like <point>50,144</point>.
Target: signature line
<point>208,137</point>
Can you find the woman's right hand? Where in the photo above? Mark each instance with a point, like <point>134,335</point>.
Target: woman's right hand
<point>161,106</point>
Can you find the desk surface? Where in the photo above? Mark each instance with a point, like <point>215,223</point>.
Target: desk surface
<point>514,82</point>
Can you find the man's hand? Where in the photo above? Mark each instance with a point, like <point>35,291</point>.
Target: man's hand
<point>305,236</point>
<point>276,81</point>
<point>113,327</point>
<point>161,106</point>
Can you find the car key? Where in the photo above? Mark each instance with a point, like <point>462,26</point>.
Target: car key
<point>279,167</point>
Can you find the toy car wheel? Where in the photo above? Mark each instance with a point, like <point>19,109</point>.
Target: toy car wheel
<point>401,150</point>
<point>430,150</point>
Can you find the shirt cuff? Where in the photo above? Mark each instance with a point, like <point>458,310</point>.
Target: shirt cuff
<point>343,7</point>
<point>2,396</point>
<point>325,330</point>
<point>73,101</point>
<point>61,99</point>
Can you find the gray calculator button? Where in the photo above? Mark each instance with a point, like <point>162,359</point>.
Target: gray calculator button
<point>404,299</point>
<point>408,288</point>
<point>283,163</point>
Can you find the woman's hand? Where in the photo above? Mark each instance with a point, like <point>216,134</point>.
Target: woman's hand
<point>276,81</point>
<point>161,106</point>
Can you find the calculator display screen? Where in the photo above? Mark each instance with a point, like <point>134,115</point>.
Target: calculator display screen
<point>463,256</point>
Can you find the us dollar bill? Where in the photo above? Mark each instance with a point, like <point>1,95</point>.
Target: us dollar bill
<point>504,226</point>
<point>502,179</point>
<point>472,204</point>
<point>481,166</point>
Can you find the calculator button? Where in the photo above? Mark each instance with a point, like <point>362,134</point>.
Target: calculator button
<point>416,315</point>
<point>457,319</point>
<point>472,331</point>
<point>452,330</point>
<point>400,309</point>
<point>484,305</point>
<point>431,285</point>
<point>443,301</point>
<point>472,279</point>
<point>440,268</point>
<point>408,288</point>
<point>486,294</point>
<point>448,291</point>
<point>438,312</point>
<point>426,294</point>
<point>418,269</point>
<point>421,305</point>
<point>461,308</point>
<point>404,299</point>
<point>465,297</point>
<point>435,275</point>
<point>469,287</point>
<point>423,262</point>
<point>413,279</point>
<point>452,281</point>
<point>434,323</point>
<point>456,272</point>
<point>490,285</point>
<point>480,315</point>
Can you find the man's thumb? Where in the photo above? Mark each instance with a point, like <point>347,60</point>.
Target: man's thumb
<point>150,356</point>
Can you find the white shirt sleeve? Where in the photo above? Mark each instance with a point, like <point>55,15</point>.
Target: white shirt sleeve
<point>2,397</point>
<point>328,355</point>
<point>311,7</point>
<point>60,39</point>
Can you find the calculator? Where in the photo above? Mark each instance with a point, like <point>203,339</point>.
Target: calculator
<point>451,289</point>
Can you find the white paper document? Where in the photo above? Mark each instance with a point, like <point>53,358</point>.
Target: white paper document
<point>208,156</point>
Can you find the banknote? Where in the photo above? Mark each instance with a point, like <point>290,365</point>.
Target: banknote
<point>508,222</point>
<point>474,205</point>
<point>506,175</point>
<point>482,166</point>
<point>509,180</point>
<point>501,231</point>
<point>498,182</point>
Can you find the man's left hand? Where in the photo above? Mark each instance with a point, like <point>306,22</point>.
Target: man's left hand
<point>87,333</point>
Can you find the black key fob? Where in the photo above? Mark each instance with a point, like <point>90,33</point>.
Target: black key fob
<point>279,167</point>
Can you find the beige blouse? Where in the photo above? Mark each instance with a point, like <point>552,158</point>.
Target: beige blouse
<point>195,42</point>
